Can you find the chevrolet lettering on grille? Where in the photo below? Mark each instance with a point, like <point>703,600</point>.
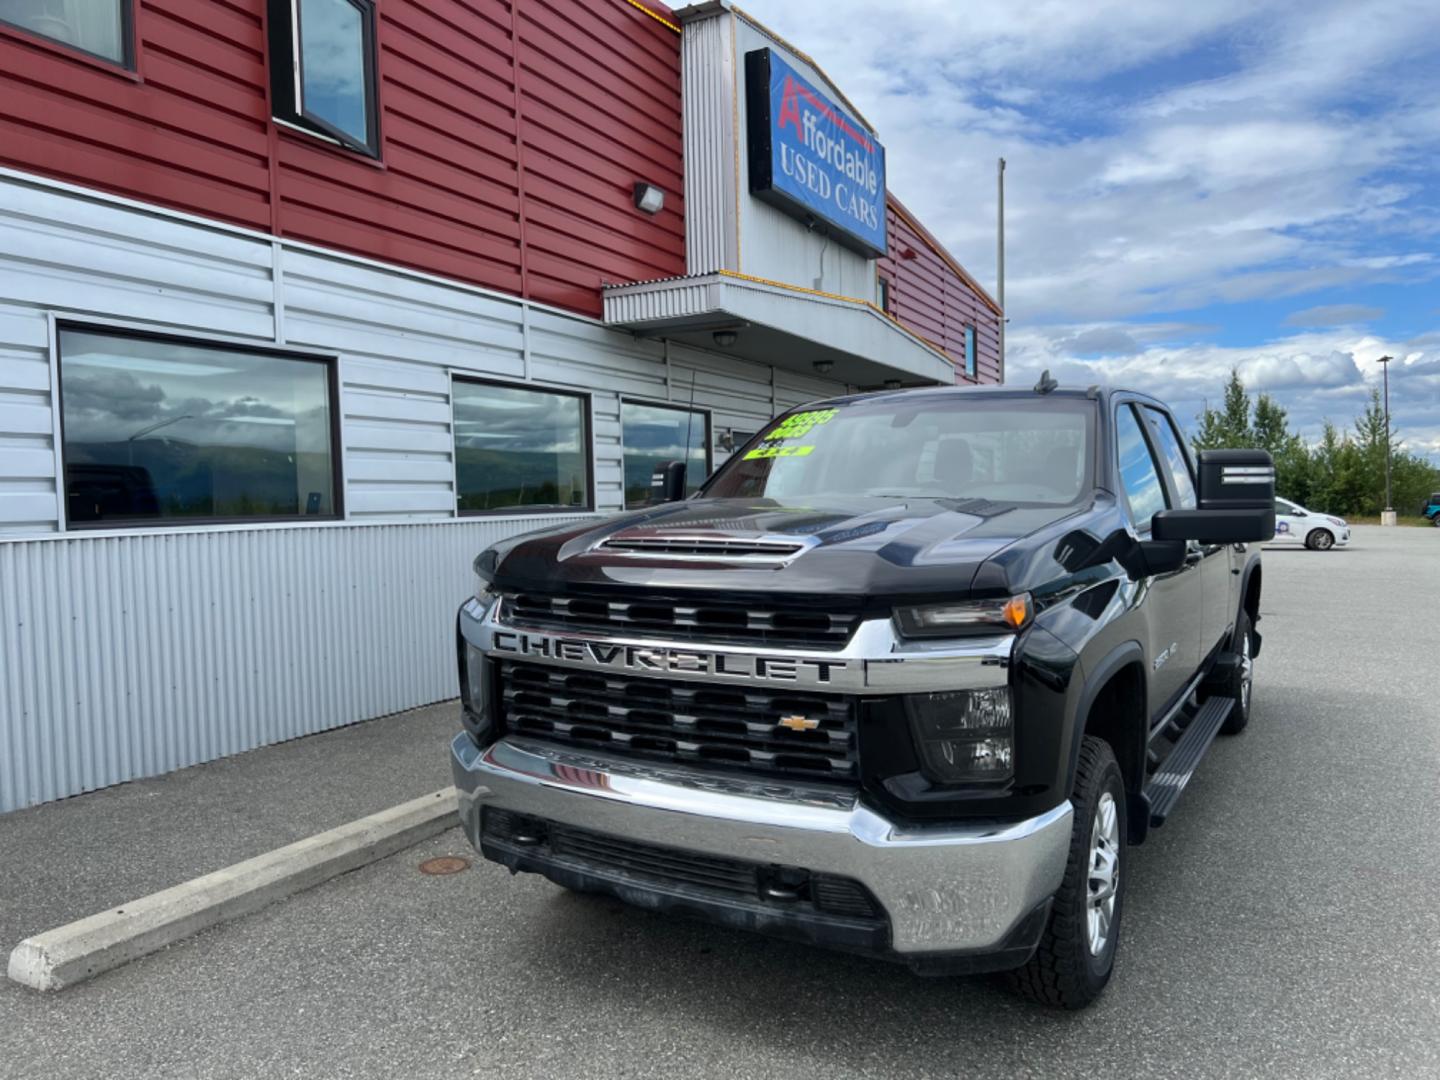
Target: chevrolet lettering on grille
<point>662,660</point>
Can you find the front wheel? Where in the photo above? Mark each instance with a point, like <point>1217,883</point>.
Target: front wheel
<point>1435,521</point>
<point>1077,951</point>
<point>1320,540</point>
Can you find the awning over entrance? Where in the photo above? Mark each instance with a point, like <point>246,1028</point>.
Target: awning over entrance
<point>779,324</point>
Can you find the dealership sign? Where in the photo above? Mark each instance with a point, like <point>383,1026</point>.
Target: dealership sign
<point>809,158</point>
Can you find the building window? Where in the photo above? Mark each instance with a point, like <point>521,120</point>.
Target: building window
<point>885,295</point>
<point>98,27</point>
<point>970,359</point>
<point>171,432</point>
<point>519,447</point>
<point>322,69</point>
<point>655,434</point>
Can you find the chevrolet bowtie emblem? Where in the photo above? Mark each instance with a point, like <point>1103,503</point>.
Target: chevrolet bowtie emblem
<point>798,723</point>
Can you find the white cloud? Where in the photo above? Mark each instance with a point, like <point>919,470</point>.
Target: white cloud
<point>1311,375</point>
<point>1287,164</point>
<point>1163,158</point>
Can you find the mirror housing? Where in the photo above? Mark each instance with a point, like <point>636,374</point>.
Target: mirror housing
<point>667,483</point>
<point>1138,558</point>
<point>1236,501</point>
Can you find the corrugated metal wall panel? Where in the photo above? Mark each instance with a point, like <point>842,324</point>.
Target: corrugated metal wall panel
<point>599,99</point>
<point>192,135</point>
<point>710,219</point>
<point>128,656</point>
<point>929,297</point>
<point>77,254</point>
<point>27,446</point>
<point>599,84</point>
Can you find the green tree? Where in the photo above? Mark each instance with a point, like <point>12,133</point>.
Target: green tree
<point>1271,431</point>
<point>1344,473</point>
<point>1228,429</point>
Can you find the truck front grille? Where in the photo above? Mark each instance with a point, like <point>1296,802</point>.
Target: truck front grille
<point>693,723</point>
<point>690,619</point>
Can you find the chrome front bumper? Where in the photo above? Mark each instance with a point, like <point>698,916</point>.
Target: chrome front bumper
<point>952,889</point>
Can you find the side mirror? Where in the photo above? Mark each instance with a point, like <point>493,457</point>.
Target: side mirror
<point>1236,501</point>
<point>667,483</point>
<point>1138,558</point>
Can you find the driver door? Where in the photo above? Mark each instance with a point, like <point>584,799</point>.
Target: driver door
<point>1174,601</point>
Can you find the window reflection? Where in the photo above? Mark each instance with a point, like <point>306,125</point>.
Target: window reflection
<point>517,446</point>
<point>655,434</point>
<point>163,430</point>
<point>333,65</point>
<point>94,26</point>
<point>1138,474</point>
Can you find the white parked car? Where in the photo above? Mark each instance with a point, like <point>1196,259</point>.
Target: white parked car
<point>1318,532</point>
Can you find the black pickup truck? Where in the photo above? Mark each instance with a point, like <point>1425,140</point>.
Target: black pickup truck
<point>907,677</point>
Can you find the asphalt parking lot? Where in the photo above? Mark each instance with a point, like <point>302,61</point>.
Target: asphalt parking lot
<point>1283,923</point>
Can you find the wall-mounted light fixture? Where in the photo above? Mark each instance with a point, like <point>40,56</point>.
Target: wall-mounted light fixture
<point>824,366</point>
<point>648,198</point>
<point>725,338</point>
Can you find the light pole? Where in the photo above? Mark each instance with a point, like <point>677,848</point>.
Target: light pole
<point>1387,516</point>
<point>1000,255</point>
<point>130,442</point>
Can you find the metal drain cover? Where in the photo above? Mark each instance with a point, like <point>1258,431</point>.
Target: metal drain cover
<point>444,864</point>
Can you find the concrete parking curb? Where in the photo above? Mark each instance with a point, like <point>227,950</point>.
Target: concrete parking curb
<point>81,950</point>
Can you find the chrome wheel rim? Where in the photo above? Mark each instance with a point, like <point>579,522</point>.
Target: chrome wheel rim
<point>1247,671</point>
<point>1324,540</point>
<point>1104,873</point>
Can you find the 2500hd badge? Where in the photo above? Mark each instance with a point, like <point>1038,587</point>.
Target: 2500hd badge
<point>917,693</point>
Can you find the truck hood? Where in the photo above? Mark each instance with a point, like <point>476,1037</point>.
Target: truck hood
<point>875,549</point>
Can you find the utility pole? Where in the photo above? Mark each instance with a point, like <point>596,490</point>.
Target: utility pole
<point>1387,516</point>
<point>1000,257</point>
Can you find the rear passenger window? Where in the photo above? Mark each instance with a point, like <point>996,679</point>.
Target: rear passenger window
<point>1174,455</point>
<point>1138,474</point>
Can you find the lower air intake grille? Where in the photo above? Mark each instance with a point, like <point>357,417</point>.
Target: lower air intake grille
<point>751,730</point>
<point>667,866</point>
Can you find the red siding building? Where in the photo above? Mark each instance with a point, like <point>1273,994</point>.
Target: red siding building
<point>300,296</point>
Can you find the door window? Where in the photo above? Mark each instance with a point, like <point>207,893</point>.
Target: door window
<point>1173,454</point>
<point>1139,475</point>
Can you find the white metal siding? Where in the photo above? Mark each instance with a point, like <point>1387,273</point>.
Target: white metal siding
<point>27,444</point>
<point>128,656</point>
<point>707,93</point>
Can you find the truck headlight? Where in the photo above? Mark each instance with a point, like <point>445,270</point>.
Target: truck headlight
<point>1007,615</point>
<point>964,736</point>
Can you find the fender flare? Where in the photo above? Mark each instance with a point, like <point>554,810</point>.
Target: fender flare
<point>1251,569</point>
<point>1128,652</point>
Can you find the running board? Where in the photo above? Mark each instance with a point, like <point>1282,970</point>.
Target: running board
<point>1164,788</point>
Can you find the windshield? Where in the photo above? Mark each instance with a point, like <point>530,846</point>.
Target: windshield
<point>1033,451</point>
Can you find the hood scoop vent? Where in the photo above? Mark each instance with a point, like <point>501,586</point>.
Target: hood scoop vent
<point>772,551</point>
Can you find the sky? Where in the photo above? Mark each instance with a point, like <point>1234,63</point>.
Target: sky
<point>1189,188</point>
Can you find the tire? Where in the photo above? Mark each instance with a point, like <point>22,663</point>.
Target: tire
<point>1435,521</point>
<point>1320,540</point>
<point>1242,683</point>
<point>1068,970</point>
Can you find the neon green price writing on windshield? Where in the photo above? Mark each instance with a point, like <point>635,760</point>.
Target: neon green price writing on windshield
<point>791,428</point>
<point>779,451</point>
<point>799,425</point>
